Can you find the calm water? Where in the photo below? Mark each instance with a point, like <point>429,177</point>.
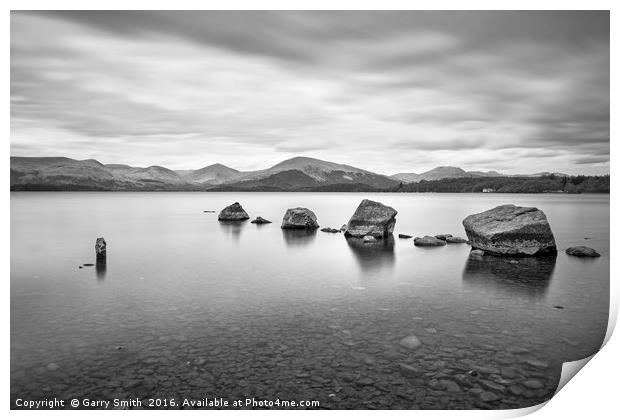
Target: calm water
<point>188,307</point>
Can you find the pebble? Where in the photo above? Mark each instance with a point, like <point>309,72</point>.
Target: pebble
<point>450,386</point>
<point>411,342</point>
<point>533,384</point>
<point>537,363</point>
<point>492,386</point>
<point>408,371</point>
<point>52,366</point>
<point>488,396</point>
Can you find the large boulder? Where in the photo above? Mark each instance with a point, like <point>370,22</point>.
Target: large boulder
<point>233,213</point>
<point>371,219</point>
<point>511,230</point>
<point>299,218</point>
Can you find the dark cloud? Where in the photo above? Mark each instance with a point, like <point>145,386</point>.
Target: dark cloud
<point>527,90</point>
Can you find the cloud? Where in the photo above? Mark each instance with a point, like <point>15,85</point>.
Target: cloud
<point>386,91</point>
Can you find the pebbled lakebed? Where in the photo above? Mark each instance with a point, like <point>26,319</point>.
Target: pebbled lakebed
<point>189,307</point>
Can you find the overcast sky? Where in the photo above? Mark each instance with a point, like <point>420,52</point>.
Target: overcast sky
<point>386,91</point>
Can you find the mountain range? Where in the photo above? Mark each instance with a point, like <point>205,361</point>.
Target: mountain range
<point>296,174</point>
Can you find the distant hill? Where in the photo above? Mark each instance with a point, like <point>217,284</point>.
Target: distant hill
<point>296,174</point>
<point>212,175</point>
<point>441,172</point>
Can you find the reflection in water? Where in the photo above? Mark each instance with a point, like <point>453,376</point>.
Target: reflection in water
<point>529,277</point>
<point>298,237</point>
<point>373,255</point>
<point>100,269</point>
<point>232,228</point>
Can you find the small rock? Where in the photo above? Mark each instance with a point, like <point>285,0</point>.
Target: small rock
<point>533,384</point>
<point>477,252</point>
<point>403,236</point>
<point>369,238</point>
<point>330,230</point>
<point>537,363</point>
<point>508,372</point>
<point>80,267</point>
<point>119,347</point>
<point>428,241</point>
<point>365,381</point>
<point>517,350</point>
<point>455,240</point>
<point>558,307</point>
<point>582,251</point>
<point>411,342</point>
<point>492,386</point>
<point>488,396</point>
<point>487,370</point>
<point>343,228</point>
<point>260,221</point>
<point>443,236</point>
<point>450,386</point>
<point>408,371</point>
<point>88,265</point>
<point>100,249</point>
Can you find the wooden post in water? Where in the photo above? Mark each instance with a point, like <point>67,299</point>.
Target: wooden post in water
<point>100,250</point>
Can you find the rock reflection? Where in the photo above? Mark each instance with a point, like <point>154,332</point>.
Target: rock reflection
<point>524,276</point>
<point>298,237</point>
<point>100,269</point>
<point>373,255</point>
<point>233,228</point>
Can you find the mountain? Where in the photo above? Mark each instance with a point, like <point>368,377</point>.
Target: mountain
<point>441,172</point>
<point>213,174</point>
<point>153,175</point>
<point>304,173</point>
<point>296,174</point>
<point>300,173</point>
<point>59,173</point>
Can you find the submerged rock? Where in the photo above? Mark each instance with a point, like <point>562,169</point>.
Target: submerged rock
<point>455,240</point>
<point>408,371</point>
<point>403,236</point>
<point>260,221</point>
<point>299,218</point>
<point>582,251</point>
<point>411,342</point>
<point>233,213</point>
<point>477,252</point>
<point>371,219</point>
<point>100,249</point>
<point>428,241</point>
<point>511,230</point>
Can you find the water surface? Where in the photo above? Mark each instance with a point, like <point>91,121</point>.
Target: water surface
<point>189,307</point>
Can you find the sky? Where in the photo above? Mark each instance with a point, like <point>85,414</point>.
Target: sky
<point>403,91</point>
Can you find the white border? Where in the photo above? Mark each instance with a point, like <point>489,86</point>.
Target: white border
<point>592,395</point>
